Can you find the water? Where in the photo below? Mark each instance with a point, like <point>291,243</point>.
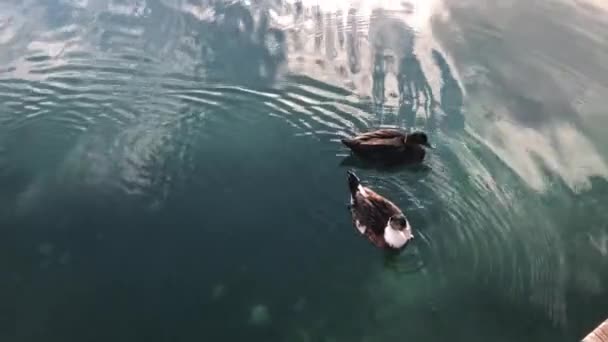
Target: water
<point>170,170</point>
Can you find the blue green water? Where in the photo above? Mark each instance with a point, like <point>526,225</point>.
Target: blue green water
<point>170,170</point>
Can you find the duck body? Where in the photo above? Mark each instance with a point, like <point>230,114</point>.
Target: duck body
<point>389,146</point>
<point>377,218</point>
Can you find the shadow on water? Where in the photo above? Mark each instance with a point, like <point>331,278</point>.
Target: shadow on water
<point>417,106</point>
<point>451,97</point>
<point>352,161</point>
<point>233,32</point>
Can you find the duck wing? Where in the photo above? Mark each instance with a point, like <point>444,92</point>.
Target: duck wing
<point>381,137</point>
<point>380,134</point>
<point>372,210</point>
<point>382,205</point>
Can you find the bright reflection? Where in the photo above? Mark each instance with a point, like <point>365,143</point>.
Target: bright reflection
<point>416,12</point>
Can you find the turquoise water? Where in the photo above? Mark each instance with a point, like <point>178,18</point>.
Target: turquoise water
<point>171,170</point>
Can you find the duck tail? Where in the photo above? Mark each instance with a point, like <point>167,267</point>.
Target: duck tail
<point>353,183</point>
<point>350,143</point>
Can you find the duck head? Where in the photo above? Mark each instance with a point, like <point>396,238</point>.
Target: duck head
<point>397,222</point>
<point>418,138</point>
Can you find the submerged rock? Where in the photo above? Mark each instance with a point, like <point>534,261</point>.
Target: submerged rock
<point>259,315</point>
<point>65,258</point>
<point>330,339</point>
<point>300,304</point>
<point>46,248</point>
<point>218,291</point>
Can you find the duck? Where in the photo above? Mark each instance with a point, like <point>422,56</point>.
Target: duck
<point>376,217</point>
<point>389,145</point>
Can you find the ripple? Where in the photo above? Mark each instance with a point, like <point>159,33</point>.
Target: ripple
<point>470,222</point>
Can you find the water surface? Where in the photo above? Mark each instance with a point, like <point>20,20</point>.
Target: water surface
<point>171,170</point>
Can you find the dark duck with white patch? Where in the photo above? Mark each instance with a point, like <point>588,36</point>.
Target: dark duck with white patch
<point>379,219</point>
<point>389,146</point>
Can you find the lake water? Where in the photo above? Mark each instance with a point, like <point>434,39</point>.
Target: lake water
<point>170,170</point>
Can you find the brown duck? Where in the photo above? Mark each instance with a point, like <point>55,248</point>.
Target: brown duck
<point>389,145</point>
<point>377,218</point>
